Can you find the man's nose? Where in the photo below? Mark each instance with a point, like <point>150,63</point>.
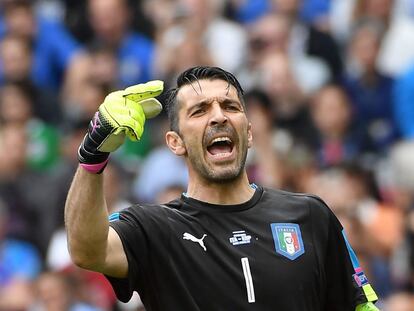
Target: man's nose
<point>217,115</point>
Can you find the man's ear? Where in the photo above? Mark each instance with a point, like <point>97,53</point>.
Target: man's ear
<point>175,143</point>
<point>249,136</point>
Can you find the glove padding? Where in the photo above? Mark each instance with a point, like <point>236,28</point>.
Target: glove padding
<point>368,306</point>
<point>123,113</point>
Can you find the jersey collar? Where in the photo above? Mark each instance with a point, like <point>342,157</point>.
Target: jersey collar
<point>208,207</point>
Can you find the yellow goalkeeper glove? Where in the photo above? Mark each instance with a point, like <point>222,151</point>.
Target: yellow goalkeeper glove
<point>368,306</point>
<point>123,113</point>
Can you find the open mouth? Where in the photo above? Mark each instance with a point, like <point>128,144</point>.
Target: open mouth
<point>220,146</point>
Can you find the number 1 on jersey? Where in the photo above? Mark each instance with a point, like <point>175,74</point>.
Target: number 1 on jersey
<point>248,278</point>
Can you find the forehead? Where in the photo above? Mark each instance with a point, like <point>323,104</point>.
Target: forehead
<point>105,6</point>
<point>196,92</point>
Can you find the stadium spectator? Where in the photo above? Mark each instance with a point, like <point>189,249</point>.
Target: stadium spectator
<point>56,292</point>
<point>307,39</point>
<point>369,89</point>
<point>53,47</point>
<point>17,107</point>
<point>263,162</point>
<point>176,55</point>
<point>271,34</point>
<point>16,61</point>
<point>98,65</point>
<point>290,110</point>
<point>399,29</point>
<point>198,24</point>
<point>32,214</point>
<point>398,38</point>
<point>82,97</point>
<point>115,56</point>
<point>337,140</point>
<point>111,24</point>
<point>16,58</point>
<point>20,264</point>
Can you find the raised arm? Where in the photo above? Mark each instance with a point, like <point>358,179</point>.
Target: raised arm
<point>92,243</point>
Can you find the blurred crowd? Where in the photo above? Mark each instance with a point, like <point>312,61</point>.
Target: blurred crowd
<point>329,88</point>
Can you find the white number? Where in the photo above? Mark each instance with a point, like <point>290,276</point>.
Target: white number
<point>249,281</point>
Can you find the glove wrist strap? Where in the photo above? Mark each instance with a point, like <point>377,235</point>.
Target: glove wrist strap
<point>89,156</point>
<point>94,168</point>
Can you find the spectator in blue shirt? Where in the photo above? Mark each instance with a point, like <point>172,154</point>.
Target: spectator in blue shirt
<point>110,21</point>
<point>53,46</point>
<point>369,89</point>
<point>16,58</point>
<point>337,141</point>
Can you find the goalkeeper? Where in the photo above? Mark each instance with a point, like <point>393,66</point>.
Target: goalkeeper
<point>225,244</point>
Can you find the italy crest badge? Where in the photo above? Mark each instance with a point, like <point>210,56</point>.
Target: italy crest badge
<point>288,240</point>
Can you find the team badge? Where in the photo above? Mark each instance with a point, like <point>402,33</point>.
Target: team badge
<point>288,240</point>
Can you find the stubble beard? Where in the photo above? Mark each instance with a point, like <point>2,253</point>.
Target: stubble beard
<point>220,175</point>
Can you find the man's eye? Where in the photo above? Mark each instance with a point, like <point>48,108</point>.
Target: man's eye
<point>233,108</point>
<point>197,112</point>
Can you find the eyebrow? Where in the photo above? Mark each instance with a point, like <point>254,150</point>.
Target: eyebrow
<point>230,100</point>
<point>227,100</point>
<point>200,104</point>
<point>207,101</point>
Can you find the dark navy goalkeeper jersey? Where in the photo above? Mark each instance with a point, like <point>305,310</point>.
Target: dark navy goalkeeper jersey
<point>278,251</point>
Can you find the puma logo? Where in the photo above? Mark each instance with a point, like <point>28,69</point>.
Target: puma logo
<point>95,124</point>
<point>188,236</point>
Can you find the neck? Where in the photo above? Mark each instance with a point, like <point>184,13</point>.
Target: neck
<point>370,77</point>
<point>234,192</point>
<point>335,134</point>
<point>114,38</point>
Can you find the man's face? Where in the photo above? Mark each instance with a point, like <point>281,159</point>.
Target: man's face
<point>16,59</point>
<point>109,18</point>
<point>214,129</point>
<point>20,21</point>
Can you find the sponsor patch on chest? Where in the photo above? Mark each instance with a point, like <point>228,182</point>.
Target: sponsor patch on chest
<point>240,237</point>
<point>288,240</point>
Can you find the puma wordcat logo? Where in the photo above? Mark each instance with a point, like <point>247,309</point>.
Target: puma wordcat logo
<point>188,236</point>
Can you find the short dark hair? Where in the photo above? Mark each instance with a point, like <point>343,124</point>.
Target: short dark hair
<point>195,74</point>
<point>9,5</point>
